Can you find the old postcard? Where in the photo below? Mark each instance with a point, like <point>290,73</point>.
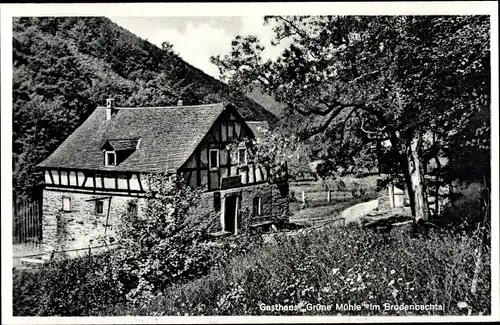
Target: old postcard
<point>229,163</point>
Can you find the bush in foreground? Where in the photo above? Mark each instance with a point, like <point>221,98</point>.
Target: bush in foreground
<point>66,288</point>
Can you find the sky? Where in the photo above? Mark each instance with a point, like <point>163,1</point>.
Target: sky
<point>198,38</point>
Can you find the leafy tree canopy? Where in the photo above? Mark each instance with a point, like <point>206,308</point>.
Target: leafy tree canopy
<point>357,80</point>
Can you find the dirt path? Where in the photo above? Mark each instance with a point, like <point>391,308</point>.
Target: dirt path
<point>354,213</point>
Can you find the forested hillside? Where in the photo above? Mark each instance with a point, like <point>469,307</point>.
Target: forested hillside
<point>64,67</point>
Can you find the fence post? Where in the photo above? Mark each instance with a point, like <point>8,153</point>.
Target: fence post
<point>30,209</point>
<point>303,197</point>
<point>329,196</point>
<point>40,220</point>
<point>25,224</point>
<point>14,214</point>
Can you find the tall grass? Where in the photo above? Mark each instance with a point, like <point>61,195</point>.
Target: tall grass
<point>336,265</point>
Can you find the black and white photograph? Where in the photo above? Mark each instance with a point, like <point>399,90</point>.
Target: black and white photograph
<point>189,162</point>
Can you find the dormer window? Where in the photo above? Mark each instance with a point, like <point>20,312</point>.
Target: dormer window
<point>117,150</point>
<point>109,158</point>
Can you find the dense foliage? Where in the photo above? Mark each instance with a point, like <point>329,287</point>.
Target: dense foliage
<point>66,288</point>
<point>63,67</point>
<point>164,243</point>
<point>337,266</point>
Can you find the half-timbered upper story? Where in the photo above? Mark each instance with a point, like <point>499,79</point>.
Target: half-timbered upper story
<point>116,146</point>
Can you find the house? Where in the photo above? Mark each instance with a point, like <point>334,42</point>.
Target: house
<point>98,173</point>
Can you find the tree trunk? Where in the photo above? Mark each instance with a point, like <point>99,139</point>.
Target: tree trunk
<point>403,166</point>
<point>408,184</point>
<point>437,184</point>
<point>416,174</point>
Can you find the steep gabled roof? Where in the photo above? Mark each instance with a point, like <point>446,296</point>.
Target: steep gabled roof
<point>168,136</point>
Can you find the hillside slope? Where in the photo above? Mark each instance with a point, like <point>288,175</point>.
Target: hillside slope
<point>267,101</point>
<point>63,67</point>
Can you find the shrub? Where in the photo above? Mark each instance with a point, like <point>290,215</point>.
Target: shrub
<point>164,244</point>
<point>338,265</point>
<point>66,288</point>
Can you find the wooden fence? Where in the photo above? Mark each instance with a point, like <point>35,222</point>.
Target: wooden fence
<point>27,222</point>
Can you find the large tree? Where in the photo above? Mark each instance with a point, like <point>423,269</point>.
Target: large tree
<point>356,80</point>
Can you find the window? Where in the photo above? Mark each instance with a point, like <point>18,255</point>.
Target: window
<point>132,208</point>
<point>99,206</point>
<point>256,206</point>
<point>230,131</point>
<point>214,159</point>
<point>109,158</point>
<point>242,156</point>
<point>217,201</point>
<point>66,204</point>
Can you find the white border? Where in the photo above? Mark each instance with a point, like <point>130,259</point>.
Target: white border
<point>230,9</point>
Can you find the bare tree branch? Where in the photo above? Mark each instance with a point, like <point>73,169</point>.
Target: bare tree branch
<point>344,125</point>
<point>298,31</point>
<point>314,112</point>
<point>363,76</point>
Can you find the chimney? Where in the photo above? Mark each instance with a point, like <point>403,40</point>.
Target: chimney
<point>110,108</point>
<point>179,102</point>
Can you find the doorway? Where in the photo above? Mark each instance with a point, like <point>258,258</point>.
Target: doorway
<point>230,213</point>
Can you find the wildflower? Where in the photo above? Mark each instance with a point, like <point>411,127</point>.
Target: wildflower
<point>301,305</point>
<point>394,293</point>
<point>334,271</point>
<point>392,272</point>
<point>326,289</point>
<point>359,278</point>
<point>462,304</point>
<point>391,282</point>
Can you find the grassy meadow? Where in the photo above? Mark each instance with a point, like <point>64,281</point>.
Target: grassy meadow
<point>335,265</point>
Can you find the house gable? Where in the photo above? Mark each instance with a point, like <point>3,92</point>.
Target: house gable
<point>198,170</point>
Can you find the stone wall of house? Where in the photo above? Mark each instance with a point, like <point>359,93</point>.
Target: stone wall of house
<point>82,226</point>
<point>274,203</point>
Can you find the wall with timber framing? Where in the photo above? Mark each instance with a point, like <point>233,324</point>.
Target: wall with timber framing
<point>95,180</point>
<point>227,130</point>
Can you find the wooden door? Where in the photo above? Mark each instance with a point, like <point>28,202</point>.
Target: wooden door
<point>230,213</point>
